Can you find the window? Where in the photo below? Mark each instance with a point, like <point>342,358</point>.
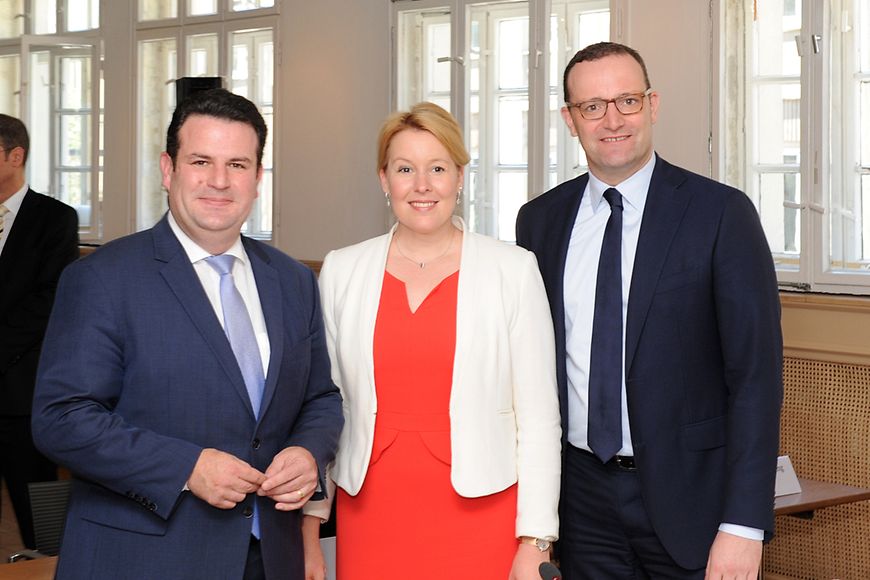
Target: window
<point>501,90</point>
<point>797,134</point>
<point>53,83</point>
<point>239,49</point>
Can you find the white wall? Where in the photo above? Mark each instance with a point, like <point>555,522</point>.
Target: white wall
<point>674,38</point>
<point>335,92</point>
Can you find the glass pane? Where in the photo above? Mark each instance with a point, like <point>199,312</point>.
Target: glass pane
<point>423,39</point>
<point>776,122</point>
<point>850,231</point>
<point>75,90</point>
<point>201,7</point>
<point>239,5</point>
<point>513,130</point>
<point>513,52</point>
<point>157,9</point>
<point>774,49</point>
<point>44,16</point>
<point>863,14</point>
<point>779,196</point>
<point>202,55</point>
<point>82,15</point>
<point>157,68</point>
<point>252,76</point>
<point>39,105</point>
<point>511,196</point>
<point>864,113</point>
<point>10,82</point>
<point>11,18</point>
<point>74,140</point>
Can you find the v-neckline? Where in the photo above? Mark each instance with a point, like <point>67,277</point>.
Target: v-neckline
<point>412,311</point>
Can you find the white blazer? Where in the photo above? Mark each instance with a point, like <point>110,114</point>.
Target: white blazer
<point>504,408</point>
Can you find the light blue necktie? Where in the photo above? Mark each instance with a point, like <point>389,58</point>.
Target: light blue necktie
<point>240,332</point>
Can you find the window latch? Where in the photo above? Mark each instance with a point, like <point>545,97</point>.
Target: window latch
<point>457,59</point>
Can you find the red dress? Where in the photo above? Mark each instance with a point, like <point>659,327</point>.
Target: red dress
<point>408,521</point>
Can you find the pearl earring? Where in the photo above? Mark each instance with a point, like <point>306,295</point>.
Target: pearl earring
<point>387,197</point>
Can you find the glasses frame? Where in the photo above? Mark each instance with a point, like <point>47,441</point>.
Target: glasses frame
<point>607,102</point>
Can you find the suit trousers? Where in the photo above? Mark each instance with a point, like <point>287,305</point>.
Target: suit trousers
<point>20,464</point>
<point>605,531</point>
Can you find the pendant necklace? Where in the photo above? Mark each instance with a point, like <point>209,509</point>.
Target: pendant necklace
<point>422,265</point>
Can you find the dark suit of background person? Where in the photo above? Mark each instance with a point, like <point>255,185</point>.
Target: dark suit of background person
<point>139,385</point>
<point>40,237</point>
<point>702,348</point>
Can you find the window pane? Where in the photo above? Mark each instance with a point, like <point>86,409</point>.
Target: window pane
<point>74,140</point>
<point>864,113</point>
<point>779,198</point>
<point>157,9</point>
<point>157,68</point>
<point>850,231</point>
<point>44,16</point>
<point>39,105</point>
<point>252,76</point>
<point>774,48</point>
<point>513,52</point>
<point>10,81</point>
<point>11,18</point>
<point>82,14</point>
<point>201,7</point>
<point>202,55</point>
<point>776,122</point>
<point>511,196</point>
<point>513,130</point>
<point>239,5</point>
<point>423,39</point>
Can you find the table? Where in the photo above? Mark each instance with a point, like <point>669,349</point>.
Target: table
<point>815,495</point>
<point>39,569</point>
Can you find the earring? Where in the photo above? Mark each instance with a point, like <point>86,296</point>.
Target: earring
<point>387,197</point>
<point>459,195</point>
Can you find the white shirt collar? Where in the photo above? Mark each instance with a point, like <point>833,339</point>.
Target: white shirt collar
<point>13,204</point>
<point>195,253</point>
<point>634,189</point>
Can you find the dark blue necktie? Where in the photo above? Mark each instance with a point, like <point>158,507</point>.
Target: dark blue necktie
<point>605,366</point>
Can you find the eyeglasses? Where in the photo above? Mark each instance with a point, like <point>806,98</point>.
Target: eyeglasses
<point>596,108</point>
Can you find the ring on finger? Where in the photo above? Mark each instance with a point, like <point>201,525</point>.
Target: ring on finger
<point>301,493</point>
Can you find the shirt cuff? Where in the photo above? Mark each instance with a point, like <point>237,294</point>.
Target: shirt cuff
<point>742,531</point>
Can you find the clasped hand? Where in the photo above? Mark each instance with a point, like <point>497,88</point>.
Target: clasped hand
<point>223,480</point>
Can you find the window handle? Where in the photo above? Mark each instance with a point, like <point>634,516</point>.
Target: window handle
<point>457,59</point>
<point>817,43</point>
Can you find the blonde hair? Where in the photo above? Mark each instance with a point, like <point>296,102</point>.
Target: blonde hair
<point>428,117</point>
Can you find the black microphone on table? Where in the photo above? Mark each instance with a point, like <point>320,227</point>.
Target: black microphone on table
<point>549,572</point>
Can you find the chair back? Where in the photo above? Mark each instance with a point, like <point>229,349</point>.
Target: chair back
<point>48,504</point>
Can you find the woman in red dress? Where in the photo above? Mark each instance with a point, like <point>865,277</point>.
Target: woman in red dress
<point>441,342</point>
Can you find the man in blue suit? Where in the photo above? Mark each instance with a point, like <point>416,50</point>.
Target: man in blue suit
<point>192,448</point>
<point>669,348</point>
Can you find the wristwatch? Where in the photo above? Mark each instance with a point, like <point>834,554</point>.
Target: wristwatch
<point>539,543</point>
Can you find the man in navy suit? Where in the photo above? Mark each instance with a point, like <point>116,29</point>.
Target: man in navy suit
<point>39,236</point>
<point>185,466</point>
<point>671,390</point>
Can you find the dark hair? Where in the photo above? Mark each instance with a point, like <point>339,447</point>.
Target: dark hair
<point>13,134</point>
<point>598,51</point>
<point>220,104</point>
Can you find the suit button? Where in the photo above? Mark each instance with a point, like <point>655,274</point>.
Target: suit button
<point>248,512</point>
<point>152,506</point>
<point>256,444</point>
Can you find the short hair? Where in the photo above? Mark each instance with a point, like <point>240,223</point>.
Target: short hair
<point>598,51</point>
<point>220,104</point>
<point>428,117</point>
<point>13,134</point>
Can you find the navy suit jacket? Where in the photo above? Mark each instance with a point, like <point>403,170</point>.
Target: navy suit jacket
<point>137,377</point>
<point>42,241</point>
<point>703,352</point>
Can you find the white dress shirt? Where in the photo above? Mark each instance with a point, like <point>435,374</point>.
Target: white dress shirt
<point>243,276</point>
<point>581,276</point>
<point>13,204</point>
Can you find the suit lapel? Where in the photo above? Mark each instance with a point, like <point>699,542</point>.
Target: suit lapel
<point>269,291</point>
<point>664,210</point>
<point>181,278</point>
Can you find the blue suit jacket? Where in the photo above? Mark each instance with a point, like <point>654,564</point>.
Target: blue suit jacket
<point>137,377</point>
<point>703,352</point>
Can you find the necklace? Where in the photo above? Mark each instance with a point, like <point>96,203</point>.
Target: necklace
<point>422,264</point>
